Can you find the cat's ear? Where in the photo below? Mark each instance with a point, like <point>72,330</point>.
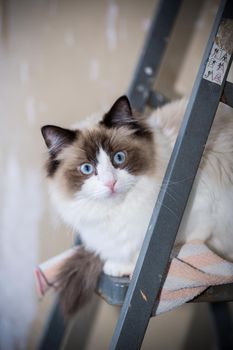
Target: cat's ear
<point>120,114</point>
<point>57,138</point>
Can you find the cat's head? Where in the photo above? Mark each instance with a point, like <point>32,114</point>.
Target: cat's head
<point>103,161</point>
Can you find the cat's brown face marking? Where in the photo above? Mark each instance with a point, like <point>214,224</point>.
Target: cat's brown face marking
<point>139,154</point>
<point>116,133</point>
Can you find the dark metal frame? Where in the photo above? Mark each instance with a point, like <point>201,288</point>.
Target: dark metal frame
<point>164,224</point>
<point>227,96</point>
<point>54,330</point>
<point>113,290</point>
<point>223,325</point>
<point>140,89</point>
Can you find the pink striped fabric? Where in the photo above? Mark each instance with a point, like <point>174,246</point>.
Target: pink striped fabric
<point>192,270</point>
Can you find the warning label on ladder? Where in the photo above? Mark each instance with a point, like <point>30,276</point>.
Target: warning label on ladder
<point>216,65</point>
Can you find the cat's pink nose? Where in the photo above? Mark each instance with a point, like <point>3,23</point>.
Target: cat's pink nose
<point>110,184</point>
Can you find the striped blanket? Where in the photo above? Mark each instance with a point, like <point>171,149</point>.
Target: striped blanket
<point>193,268</point>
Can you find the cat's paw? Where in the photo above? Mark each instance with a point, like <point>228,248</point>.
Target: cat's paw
<point>117,269</point>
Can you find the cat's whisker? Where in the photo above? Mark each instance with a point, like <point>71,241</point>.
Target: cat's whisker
<point>171,196</point>
<point>81,149</point>
<point>161,186</point>
<point>171,211</point>
<point>169,189</point>
<point>126,185</point>
<point>178,181</point>
<point>93,195</point>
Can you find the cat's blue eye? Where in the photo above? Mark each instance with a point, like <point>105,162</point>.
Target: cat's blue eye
<point>119,158</point>
<point>87,169</point>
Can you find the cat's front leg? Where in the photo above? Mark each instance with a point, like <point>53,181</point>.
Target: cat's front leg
<point>118,269</point>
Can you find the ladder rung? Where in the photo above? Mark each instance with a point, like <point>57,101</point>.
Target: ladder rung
<point>113,291</point>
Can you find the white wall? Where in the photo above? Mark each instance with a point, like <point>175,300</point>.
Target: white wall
<point>60,61</point>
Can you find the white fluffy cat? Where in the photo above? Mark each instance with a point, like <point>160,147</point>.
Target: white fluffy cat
<point>104,179</point>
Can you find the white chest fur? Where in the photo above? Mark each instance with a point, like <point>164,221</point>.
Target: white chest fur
<point>114,228</point>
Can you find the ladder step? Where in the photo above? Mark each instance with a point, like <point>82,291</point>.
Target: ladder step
<point>113,290</point>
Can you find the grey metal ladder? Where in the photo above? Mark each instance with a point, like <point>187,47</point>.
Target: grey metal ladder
<point>206,95</point>
<point>161,234</point>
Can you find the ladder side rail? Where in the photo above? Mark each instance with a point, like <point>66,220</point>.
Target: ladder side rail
<point>152,53</point>
<point>147,281</point>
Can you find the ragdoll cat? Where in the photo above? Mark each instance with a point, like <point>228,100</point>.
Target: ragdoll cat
<point>104,179</point>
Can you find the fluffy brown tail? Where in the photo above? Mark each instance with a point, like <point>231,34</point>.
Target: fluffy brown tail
<point>77,280</point>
